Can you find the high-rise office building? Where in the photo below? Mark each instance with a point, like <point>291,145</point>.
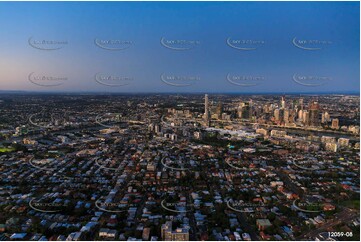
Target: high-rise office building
<point>281,114</point>
<point>325,117</point>
<point>314,111</point>
<point>206,110</point>
<point>306,117</point>
<point>283,102</point>
<point>286,115</point>
<point>292,116</point>
<point>335,123</point>
<point>244,111</point>
<point>301,103</point>
<point>277,114</point>
<point>219,110</point>
<point>300,115</point>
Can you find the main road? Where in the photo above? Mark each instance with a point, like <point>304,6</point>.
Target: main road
<point>346,215</point>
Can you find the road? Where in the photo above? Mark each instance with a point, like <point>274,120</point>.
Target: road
<point>344,216</point>
<point>295,130</point>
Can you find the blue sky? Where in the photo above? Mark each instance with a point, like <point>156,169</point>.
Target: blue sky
<point>204,62</point>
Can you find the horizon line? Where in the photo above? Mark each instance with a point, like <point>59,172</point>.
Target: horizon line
<point>172,92</point>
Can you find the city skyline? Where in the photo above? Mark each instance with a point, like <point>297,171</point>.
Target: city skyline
<point>178,168</point>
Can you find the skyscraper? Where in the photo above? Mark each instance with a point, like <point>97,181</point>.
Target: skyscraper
<point>286,115</point>
<point>300,115</point>
<point>277,114</point>
<point>325,117</point>
<point>314,112</point>
<point>335,123</point>
<point>206,110</point>
<point>306,117</point>
<point>283,102</point>
<point>301,103</point>
<point>219,110</point>
<point>244,110</point>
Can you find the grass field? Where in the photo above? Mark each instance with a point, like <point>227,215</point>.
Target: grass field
<point>4,149</point>
<point>351,203</point>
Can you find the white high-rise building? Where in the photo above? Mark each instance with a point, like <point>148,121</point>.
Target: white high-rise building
<point>283,102</point>
<point>206,110</point>
<point>300,115</point>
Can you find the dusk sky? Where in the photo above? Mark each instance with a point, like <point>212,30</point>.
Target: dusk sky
<point>272,46</point>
